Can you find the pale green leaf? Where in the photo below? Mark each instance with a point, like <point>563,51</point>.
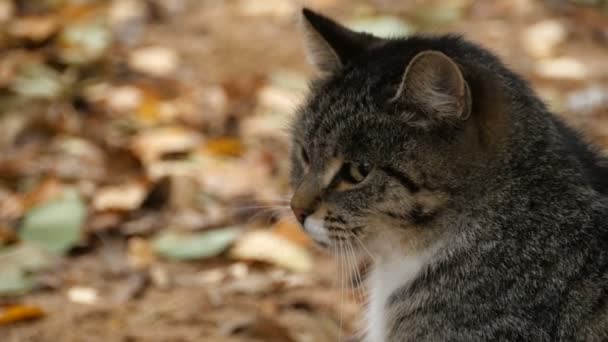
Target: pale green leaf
<point>172,245</point>
<point>38,81</point>
<point>18,264</point>
<point>55,225</point>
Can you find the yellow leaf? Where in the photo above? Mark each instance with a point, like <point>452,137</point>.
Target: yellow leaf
<point>18,313</point>
<point>292,231</point>
<point>262,245</point>
<point>149,108</point>
<point>223,147</point>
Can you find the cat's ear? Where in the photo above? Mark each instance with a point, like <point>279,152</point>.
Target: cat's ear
<point>434,84</point>
<point>328,44</point>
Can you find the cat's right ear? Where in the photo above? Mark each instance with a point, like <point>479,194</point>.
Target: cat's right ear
<point>434,84</point>
<point>330,45</point>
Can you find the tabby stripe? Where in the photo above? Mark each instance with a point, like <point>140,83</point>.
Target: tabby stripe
<point>419,217</point>
<point>402,178</point>
<point>356,229</point>
<point>335,219</point>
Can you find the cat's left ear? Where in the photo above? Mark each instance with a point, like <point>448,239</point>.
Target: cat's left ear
<point>434,85</point>
<point>330,45</point>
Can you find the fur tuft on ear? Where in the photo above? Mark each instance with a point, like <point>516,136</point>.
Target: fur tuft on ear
<point>434,84</point>
<point>330,45</point>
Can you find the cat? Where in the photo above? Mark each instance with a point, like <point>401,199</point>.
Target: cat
<point>485,216</point>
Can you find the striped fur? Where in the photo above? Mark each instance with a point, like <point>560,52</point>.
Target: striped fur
<point>487,216</point>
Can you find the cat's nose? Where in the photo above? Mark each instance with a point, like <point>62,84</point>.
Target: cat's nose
<point>300,214</point>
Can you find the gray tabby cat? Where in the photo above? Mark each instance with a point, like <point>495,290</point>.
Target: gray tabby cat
<point>487,218</point>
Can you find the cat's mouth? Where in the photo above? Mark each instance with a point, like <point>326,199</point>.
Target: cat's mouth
<point>328,236</point>
<point>314,227</point>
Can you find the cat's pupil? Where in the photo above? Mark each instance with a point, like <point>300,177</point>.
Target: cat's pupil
<point>356,172</point>
<point>304,156</point>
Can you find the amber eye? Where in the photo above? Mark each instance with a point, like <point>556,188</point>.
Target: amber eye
<point>355,172</point>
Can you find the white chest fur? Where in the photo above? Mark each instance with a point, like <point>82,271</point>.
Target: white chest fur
<point>388,275</point>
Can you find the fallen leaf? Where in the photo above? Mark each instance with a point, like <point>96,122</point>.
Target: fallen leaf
<point>18,264</point>
<point>253,284</point>
<point>172,245</point>
<point>119,197</point>
<point>83,295</point>
<point>150,107</point>
<point>156,61</point>
<point>226,146</point>
<point>55,225</point>
<point>11,206</point>
<point>185,193</point>
<point>271,248</point>
<point>563,68</point>
<point>292,231</point>
<point>84,42</point>
<point>160,277</point>
<point>48,189</point>
<point>542,39</point>
<point>121,99</point>
<point>133,287</point>
<point>152,144</point>
<point>38,81</point>
<point>276,8</point>
<point>266,125</point>
<point>34,28</point>
<point>14,281</point>
<point>127,19</point>
<point>140,254</point>
<point>586,100</point>
<point>7,235</point>
<point>382,26</point>
<point>7,10</point>
<point>19,313</point>
<point>444,13</point>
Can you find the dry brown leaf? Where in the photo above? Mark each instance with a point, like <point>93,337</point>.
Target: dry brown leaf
<point>19,313</point>
<point>133,287</point>
<point>11,206</point>
<point>542,39</point>
<point>140,254</point>
<point>119,197</point>
<point>34,28</point>
<point>7,235</point>
<point>152,144</point>
<point>7,10</point>
<point>80,11</point>
<point>48,189</point>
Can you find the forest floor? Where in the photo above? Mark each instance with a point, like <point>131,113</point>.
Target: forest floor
<point>143,157</point>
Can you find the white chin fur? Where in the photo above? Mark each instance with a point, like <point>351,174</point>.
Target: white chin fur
<point>314,227</point>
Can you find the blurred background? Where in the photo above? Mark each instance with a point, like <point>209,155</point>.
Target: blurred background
<point>143,157</point>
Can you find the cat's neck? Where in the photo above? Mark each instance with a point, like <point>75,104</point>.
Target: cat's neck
<point>392,272</point>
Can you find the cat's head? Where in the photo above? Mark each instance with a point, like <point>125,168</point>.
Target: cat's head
<point>386,136</point>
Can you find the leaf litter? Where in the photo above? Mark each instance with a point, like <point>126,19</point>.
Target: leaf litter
<point>144,159</point>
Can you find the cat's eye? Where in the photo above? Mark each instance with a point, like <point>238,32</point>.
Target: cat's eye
<point>355,172</point>
<point>303,155</point>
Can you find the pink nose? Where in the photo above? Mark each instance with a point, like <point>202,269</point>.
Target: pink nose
<point>300,214</point>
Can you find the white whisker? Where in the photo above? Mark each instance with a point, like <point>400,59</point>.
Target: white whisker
<point>363,246</point>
